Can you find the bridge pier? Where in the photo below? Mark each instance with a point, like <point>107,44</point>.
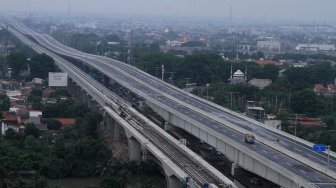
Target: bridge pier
<point>94,106</point>
<point>134,148</point>
<point>116,132</point>
<point>172,180</point>
<point>113,127</point>
<point>169,127</point>
<point>236,170</point>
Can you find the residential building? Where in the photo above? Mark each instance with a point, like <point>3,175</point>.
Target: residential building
<point>315,47</point>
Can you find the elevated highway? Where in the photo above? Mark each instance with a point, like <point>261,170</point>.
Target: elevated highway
<point>290,163</point>
<point>176,159</point>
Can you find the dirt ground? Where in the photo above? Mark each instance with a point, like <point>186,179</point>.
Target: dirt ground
<point>119,149</point>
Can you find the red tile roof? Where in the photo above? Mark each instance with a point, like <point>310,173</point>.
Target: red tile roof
<point>7,117</point>
<point>66,121</point>
<point>311,123</point>
<point>267,62</point>
<point>331,86</point>
<point>319,86</point>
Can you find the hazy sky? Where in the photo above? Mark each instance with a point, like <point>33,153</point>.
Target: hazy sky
<point>290,10</point>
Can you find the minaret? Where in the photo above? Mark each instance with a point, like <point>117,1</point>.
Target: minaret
<point>245,72</point>
<point>231,74</point>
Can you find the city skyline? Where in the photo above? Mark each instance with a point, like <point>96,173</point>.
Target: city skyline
<point>262,10</point>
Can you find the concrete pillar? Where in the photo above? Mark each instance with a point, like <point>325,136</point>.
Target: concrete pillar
<point>134,148</point>
<point>94,106</point>
<point>168,127</point>
<point>236,170</point>
<point>172,181</point>
<point>88,101</point>
<point>113,128</point>
<point>109,123</point>
<point>106,120</point>
<point>82,96</point>
<point>116,132</point>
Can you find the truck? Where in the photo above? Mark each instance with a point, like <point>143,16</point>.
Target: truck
<point>249,138</point>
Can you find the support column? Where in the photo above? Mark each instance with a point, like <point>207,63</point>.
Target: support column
<point>94,105</point>
<point>236,170</point>
<point>172,181</point>
<point>168,127</point>
<point>109,123</point>
<point>82,96</point>
<point>88,101</point>
<point>116,132</point>
<point>134,148</point>
<point>113,128</point>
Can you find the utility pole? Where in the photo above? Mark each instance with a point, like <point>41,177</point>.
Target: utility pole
<point>207,86</point>
<point>187,82</point>
<point>296,117</point>
<point>328,148</point>
<point>231,93</point>
<point>162,72</point>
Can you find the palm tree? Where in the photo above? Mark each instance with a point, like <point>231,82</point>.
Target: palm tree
<point>123,176</point>
<point>105,169</point>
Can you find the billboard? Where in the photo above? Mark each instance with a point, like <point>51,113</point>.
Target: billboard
<point>58,79</point>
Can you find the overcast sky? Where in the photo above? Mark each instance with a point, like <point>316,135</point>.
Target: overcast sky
<point>289,10</point>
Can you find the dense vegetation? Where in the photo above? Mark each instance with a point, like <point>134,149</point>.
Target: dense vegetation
<point>71,153</point>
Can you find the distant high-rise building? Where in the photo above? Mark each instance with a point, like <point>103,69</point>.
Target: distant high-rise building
<point>269,47</point>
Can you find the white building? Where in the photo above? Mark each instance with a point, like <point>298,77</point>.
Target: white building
<point>237,78</point>
<point>5,127</point>
<point>315,47</point>
<point>269,46</point>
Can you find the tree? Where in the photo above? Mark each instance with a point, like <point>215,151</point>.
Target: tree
<point>11,135</point>
<point>41,65</point>
<point>31,143</point>
<point>123,176</point>
<point>111,183</point>
<point>148,184</point>
<point>305,102</point>
<point>54,124</point>
<point>90,123</point>
<point>4,102</point>
<point>105,169</point>
<point>31,129</point>
<point>59,147</point>
<point>270,72</point>
<point>194,44</point>
<point>18,63</point>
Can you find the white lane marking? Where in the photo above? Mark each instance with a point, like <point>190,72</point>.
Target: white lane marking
<point>302,171</point>
<point>264,151</point>
<point>289,164</point>
<point>276,157</point>
<point>254,145</point>
<point>224,130</point>
<point>234,135</point>
<point>318,179</point>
